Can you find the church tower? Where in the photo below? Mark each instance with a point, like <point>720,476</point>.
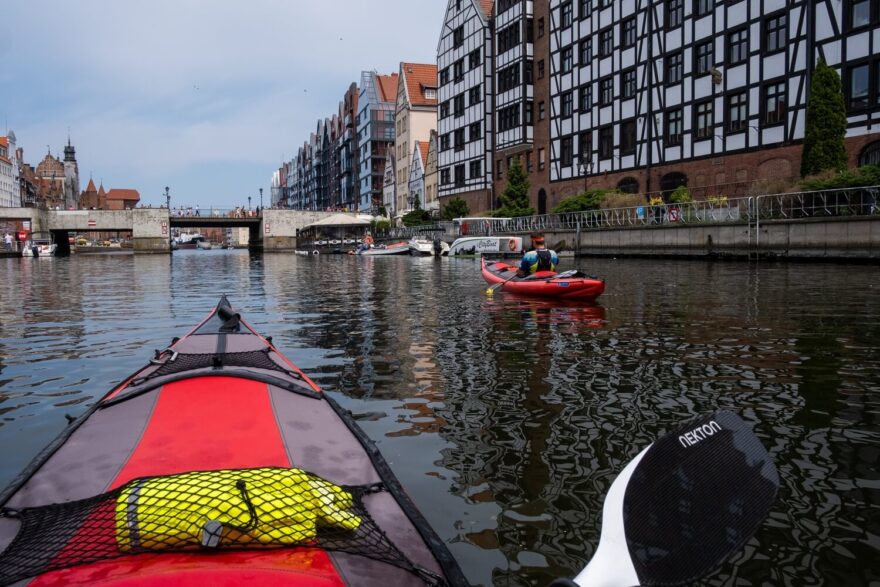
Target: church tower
<point>71,177</point>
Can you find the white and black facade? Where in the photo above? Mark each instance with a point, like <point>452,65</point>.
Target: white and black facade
<point>645,85</point>
<point>514,72</point>
<point>465,103</point>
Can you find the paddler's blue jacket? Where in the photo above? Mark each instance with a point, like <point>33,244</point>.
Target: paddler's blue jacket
<point>538,260</point>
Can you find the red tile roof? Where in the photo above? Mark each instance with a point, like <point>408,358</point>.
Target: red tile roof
<point>120,194</point>
<point>5,142</point>
<point>423,151</point>
<point>91,187</point>
<point>418,77</point>
<point>487,6</point>
<point>388,87</point>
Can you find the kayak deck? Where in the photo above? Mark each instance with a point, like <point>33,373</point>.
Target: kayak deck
<point>247,407</point>
<point>570,285</point>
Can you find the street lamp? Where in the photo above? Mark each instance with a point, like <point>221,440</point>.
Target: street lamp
<point>167,200</point>
<point>585,168</point>
<point>249,203</point>
<point>261,200</point>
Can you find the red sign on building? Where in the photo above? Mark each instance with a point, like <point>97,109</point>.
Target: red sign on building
<point>92,223</point>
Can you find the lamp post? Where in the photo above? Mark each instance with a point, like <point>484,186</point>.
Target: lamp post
<point>585,169</point>
<point>167,199</point>
<point>261,200</point>
<point>249,203</point>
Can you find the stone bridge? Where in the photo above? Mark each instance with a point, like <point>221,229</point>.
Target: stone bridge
<point>273,230</point>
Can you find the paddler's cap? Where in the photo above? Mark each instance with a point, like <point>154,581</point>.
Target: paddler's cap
<point>538,239</point>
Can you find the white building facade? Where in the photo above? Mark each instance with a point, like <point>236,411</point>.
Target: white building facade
<point>465,94</point>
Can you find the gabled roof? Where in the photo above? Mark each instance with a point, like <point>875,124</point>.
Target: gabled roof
<point>423,151</point>
<point>487,6</point>
<point>387,86</point>
<point>419,77</point>
<point>91,187</point>
<point>123,194</point>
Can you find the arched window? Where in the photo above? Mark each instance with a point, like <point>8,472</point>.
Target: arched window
<point>628,185</point>
<point>870,154</point>
<point>670,181</point>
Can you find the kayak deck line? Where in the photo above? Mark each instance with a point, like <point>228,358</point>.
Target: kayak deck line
<point>221,398</point>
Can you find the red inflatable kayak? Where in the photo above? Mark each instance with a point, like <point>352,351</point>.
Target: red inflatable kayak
<point>218,463</point>
<point>570,285</point>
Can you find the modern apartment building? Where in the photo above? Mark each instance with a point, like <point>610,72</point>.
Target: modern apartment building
<point>649,95</point>
<point>415,118</point>
<point>375,133</point>
<point>348,152</point>
<point>465,114</point>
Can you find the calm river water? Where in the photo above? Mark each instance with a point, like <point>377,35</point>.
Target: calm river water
<point>507,419</point>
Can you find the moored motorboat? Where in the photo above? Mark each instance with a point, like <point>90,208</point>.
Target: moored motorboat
<point>39,244</point>
<point>482,245</point>
<point>569,285</point>
<point>421,246</point>
<point>220,463</point>
<point>401,248</point>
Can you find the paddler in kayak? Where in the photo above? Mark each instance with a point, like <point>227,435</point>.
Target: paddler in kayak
<point>538,259</point>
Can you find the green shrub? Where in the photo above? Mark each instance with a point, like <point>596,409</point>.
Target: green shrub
<point>850,178</point>
<point>380,225</point>
<point>617,199</point>
<point>514,199</point>
<point>681,195</point>
<point>589,200</point>
<point>825,126</point>
<point>455,208</point>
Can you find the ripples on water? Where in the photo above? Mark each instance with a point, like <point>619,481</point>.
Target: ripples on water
<point>507,419</point>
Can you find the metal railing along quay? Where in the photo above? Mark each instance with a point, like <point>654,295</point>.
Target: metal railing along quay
<point>214,213</point>
<point>845,202</point>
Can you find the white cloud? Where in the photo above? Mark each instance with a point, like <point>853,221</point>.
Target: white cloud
<point>152,89</point>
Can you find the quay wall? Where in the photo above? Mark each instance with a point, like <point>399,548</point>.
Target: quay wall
<point>810,238</point>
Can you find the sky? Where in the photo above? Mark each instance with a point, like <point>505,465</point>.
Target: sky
<point>207,97</point>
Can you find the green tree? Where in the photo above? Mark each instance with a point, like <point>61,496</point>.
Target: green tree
<point>514,199</point>
<point>825,124</point>
<point>681,195</point>
<point>416,216</point>
<point>582,202</point>
<point>455,208</point>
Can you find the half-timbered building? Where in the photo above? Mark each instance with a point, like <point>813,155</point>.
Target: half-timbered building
<point>465,114</point>
<point>646,95</point>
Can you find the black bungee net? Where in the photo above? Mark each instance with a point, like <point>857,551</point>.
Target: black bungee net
<point>208,511</point>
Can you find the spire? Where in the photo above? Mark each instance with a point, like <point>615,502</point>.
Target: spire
<point>69,152</point>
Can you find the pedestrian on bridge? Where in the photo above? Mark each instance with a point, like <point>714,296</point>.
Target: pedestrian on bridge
<point>7,238</point>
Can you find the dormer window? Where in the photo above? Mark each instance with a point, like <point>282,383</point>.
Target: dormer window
<point>430,93</point>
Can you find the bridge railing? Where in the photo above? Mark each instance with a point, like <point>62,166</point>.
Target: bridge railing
<point>214,213</point>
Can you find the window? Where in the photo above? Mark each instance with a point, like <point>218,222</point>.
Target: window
<point>541,110</point>
<point>508,78</point>
<point>628,185</point>
<point>444,109</point>
<point>606,91</point>
<point>674,13</point>
<point>586,8</point>
<point>586,51</point>
<point>565,151</point>
<point>565,60</point>
<point>458,105</point>
<point>737,46</point>
<point>585,98</point>
<point>628,32</point>
<point>703,7</point>
<point>444,142</point>
<point>508,117</point>
<point>530,30</point>
<point>458,139</point>
<point>430,93</point>
<point>444,76</point>
<point>498,169</point>
<point>474,95</point>
<point>606,42</point>
<point>527,71</point>
<point>703,120</point>
<point>458,37</point>
<point>474,59</point>
<point>737,111</point>
<point>459,175</point>
<point>605,3</point>
<point>476,169</point>
<point>703,57</point>
<point>565,15</point>
<point>674,127</point>
<point>606,142</point>
<point>529,107</point>
<point>566,101</point>
<point>541,69</point>
<point>585,145</point>
<point>476,131</point>
<point>628,83</point>
<point>774,103</point>
<point>775,33</point>
<point>540,27</point>
<point>529,161</point>
<point>444,176</point>
<point>458,70</point>
<point>628,137</point>
<point>541,159</point>
<point>508,38</point>
<point>858,86</point>
<point>674,68</point>
<point>859,13</point>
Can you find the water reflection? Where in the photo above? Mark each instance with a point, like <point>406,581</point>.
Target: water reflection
<point>506,418</point>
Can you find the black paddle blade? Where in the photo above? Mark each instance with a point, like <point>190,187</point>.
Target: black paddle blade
<point>695,498</point>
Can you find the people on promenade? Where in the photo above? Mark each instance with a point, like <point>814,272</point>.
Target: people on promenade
<point>7,238</point>
<point>538,259</point>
